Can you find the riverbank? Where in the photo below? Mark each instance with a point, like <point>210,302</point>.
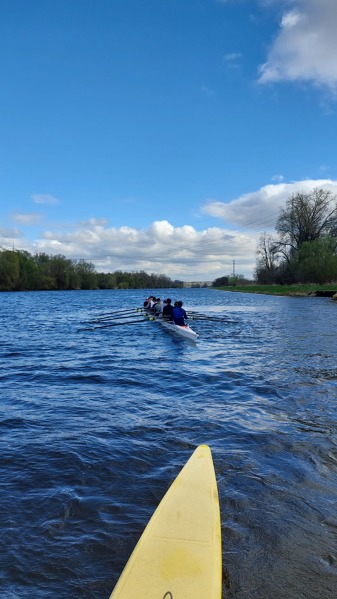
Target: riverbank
<point>291,290</point>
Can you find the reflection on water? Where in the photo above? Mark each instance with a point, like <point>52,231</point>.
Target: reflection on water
<point>96,424</point>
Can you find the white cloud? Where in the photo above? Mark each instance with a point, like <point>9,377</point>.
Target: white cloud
<point>324,167</point>
<point>162,230</point>
<point>26,218</point>
<point>305,47</point>
<point>180,252</point>
<point>231,57</point>
<point>278,178</point>
<point>8,234</point>
<point>44,198</point>
<point>291,19</point>
<point>94,221</point>
<point>259,210</point>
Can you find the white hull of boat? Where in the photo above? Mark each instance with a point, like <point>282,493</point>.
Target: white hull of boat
<point>183,331</point>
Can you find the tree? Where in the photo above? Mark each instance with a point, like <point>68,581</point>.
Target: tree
<point>28,277</point>
<point>163,281</point>
<point>106,280</point>
<point>267,259</point>
<point>19,271</point>
<point>306,217</point>
<point>238,279</point>
<point>221,282</point>
<point>316,261</point>
<point>305,250</point>
<point>45,280</point>
<point>9,270</point>
<point>86,275</point>
<point>61,270</point>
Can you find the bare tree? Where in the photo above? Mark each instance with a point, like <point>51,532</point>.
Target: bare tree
<point>306,217</point>
<point>267,259</point>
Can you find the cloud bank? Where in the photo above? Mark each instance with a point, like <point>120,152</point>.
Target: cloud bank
<point>258,210</point>
<point>180,252</point>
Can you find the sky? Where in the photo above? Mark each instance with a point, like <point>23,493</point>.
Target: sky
<point>162,135</point>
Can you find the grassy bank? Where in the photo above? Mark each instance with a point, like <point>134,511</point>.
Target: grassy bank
<point>281,289</point>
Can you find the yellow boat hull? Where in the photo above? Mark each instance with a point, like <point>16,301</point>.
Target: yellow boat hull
<point>179,553</point>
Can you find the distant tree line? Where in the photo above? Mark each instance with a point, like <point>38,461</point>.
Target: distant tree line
<point>231,281</point>
<point>304,249</point>
<point>22,271</point>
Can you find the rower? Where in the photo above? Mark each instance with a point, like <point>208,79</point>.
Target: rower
<point>168,310</point>
<point>146,302</point>
<point>180,304</point>
<point>158,306</point>
<point>179,314</point>
<point>149,302</point>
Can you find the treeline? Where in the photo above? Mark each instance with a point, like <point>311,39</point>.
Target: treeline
<point>304,249</point>
<point>22,271</point>
<point>231,281</point>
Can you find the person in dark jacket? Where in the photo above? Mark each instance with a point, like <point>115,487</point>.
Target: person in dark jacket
<point>168,310</point>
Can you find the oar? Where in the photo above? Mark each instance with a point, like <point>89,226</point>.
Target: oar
<point>192,313</point>
<point>118,312</point>
<point>210,318</point>
<point>115,324</point>
<point>121,316</point>
<point>113,315</point>
<point>125,310</point>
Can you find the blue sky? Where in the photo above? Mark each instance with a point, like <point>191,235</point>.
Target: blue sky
<point>162,135</point>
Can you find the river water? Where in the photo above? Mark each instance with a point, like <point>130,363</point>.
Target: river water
<point>95,425</point>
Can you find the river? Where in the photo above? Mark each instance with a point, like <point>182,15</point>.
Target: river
<point>95,425</point>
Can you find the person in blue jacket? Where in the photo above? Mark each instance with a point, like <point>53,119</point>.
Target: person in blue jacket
<point>179,314</point>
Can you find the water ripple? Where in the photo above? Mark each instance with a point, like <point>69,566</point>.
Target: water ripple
<point>95,425</point>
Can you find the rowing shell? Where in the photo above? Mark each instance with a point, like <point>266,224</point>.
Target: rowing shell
<point>179,553</point>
